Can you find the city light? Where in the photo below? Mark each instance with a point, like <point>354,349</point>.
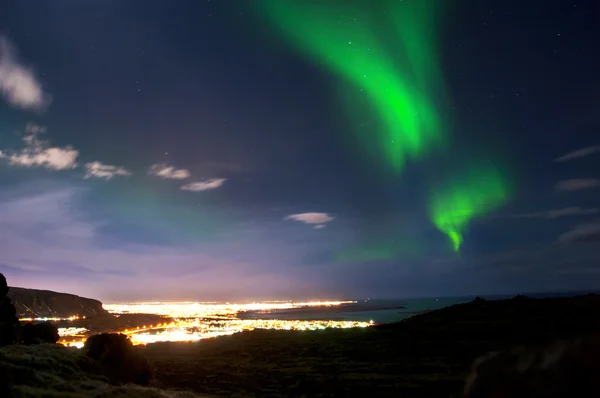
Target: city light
<point>197,321</point>
<point>195,310</point>
<point>71,331</point>
<point>51,319</point>
<point>201,329</point>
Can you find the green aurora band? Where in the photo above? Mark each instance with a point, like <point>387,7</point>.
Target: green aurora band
<point>386,51</point>
<point>351,39</point>
<point>474,194</point>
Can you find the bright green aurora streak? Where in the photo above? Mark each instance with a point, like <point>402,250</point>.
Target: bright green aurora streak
<point>386,52</point>
<point>476,193</point>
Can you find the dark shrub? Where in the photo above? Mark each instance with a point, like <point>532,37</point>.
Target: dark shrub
<point>43,332</point>
<point>119,359</point>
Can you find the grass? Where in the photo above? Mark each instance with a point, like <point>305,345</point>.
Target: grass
<point>294,364</point>
<point>55,371</point>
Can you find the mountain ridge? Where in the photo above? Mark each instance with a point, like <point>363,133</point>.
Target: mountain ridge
<point>35,303</point>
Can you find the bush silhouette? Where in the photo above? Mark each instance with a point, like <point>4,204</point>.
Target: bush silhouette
<point>43,332</point>
<point>118,358</point>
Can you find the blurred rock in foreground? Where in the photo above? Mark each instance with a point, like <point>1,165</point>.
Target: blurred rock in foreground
<point>39,333</point>
<point>119,359</point>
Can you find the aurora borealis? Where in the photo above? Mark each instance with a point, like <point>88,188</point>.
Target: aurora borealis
<point>387,59</point>
<point>479,191</point>
<point>399,72</point>
<point>286,149</point>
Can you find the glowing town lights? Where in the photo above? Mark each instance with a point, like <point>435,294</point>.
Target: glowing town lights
<point>174,336</point>
<point>46,319</point>
<point>194,310</point>
<point>198,329</point>
<point>76,344</point>
<point>197,321</point>
<point>71,331</point>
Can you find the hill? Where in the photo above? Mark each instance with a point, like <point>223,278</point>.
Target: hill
<point>33,303</point>
<point>428,355</point>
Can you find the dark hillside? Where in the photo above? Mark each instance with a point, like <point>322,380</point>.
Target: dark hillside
<point>428,355</point>
<point>33,303</point>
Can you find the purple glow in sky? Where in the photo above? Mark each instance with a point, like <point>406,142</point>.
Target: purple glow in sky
<point>180,152</point>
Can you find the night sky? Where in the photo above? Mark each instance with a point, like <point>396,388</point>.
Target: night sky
<point>198,150</point>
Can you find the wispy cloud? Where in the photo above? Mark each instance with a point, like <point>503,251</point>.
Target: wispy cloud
<point>203,185</point>
<point>163,170</point>
<point>319,226</point>
<point>18,84</point>
<point>311,218</point>
<point>105,171</point>
<point>580,153</point>
<point>552,214</point>
<point>38,153</point>
<point>577,184</point>
<point>584,233</point>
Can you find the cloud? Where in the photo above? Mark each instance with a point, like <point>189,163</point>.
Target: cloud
<point>18,84</point>
<point>38,153</point>
<point>580,153</point>
<point>165,171</point>
<point>203,185</point>
<point>100,170</point>
<point>311,218</point>
<point>584,233</point>
<point>320,226</point>
<point>577,184</point>
<point>552,214</point>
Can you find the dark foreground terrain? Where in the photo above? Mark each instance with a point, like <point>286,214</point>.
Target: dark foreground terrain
<point>428,355</point>
<point>55,371</point>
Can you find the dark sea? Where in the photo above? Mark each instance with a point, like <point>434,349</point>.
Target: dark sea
<point>418,305</point>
